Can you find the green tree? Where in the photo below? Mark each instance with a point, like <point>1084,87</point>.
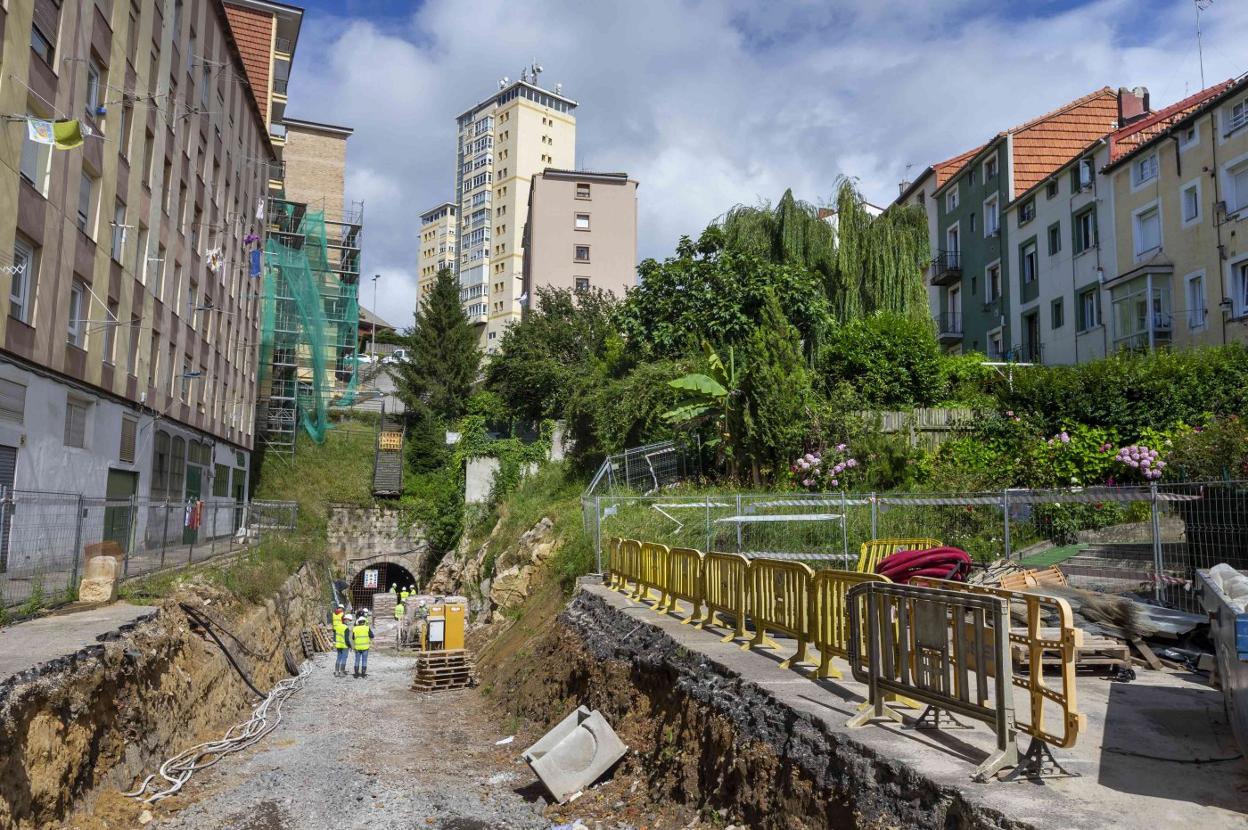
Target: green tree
<point>776,395</point>
<point>709,397</point>
<point>891,360</point>
<point>442,354</point>
<point>542,360</point>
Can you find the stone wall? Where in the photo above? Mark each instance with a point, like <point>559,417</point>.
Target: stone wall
<point>363,533</point>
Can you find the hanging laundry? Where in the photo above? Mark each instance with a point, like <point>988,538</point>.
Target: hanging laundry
<point>64,135</point>
<point>214,259</point>
<point>254,269</point>
<point>188,514</point>
<point>260,208</point>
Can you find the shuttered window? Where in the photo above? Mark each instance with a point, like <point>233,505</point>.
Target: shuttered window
<point>75,424</point>
<point>221,480</point>
<point>12,401</point>
<point>129,433</point>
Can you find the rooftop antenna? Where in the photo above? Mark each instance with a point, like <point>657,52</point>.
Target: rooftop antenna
<point>535,69</point>
<point>1201,5</point>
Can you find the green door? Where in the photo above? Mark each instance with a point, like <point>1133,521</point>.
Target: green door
<point>194,475</point>
<point>122,484</point>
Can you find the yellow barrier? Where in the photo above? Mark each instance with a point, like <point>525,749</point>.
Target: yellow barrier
<point>829,617</point>
<point>1034,641</point>
<point>653,570</point>
<point>870,554</point>
<point>724,579</point>
<point>683,581</point>
<point>779,599</point>
<point>629,563</point>
<point>613,562</point>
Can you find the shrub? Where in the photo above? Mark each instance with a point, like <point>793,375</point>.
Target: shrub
<point>893,361</point>
<point>1218,450</point>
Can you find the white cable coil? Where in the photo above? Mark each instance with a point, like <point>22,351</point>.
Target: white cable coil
<point>264,719</point>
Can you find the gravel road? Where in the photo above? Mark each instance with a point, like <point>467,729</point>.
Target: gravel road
<point>370,753</point>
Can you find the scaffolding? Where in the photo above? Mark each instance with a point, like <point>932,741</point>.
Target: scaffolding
<point>309,333</point>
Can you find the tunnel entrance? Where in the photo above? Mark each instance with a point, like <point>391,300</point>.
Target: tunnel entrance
<point>377,579</point>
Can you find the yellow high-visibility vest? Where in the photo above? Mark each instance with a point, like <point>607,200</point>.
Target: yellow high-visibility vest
<point>398,611</point>
<point>340,633</point>
<point>359,635</point>
<point>403,595</point>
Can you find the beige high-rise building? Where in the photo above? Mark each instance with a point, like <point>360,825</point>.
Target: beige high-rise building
<point>437,245</point>
<point>581,232</point>
<point>503,141</point>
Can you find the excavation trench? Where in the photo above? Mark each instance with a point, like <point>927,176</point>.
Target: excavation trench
<point>89,724</point>
<point>711,742</point>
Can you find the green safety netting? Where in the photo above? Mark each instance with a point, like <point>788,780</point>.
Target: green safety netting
<point>309,327</point>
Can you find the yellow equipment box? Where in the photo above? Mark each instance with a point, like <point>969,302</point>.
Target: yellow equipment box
<point>444,629</point>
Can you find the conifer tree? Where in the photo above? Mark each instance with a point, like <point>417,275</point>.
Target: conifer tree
<point>442,356</point>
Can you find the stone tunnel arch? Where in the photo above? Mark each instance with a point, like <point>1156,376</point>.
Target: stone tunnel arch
<point>391,570</point>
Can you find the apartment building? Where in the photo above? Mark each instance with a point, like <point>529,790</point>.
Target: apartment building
<point>971,266</point>
<point>504,141</point>
<point>1072,217</point>
<point>1180,202</point>
<point>129,332</point>
<point>437,249</point>
<point>581,232</point>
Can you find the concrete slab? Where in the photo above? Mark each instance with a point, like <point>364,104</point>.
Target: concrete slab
<point>575,753</point>
<point>1158,751</point>
<point>28,644</point>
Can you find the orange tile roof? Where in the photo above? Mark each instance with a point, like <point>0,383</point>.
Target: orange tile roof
<point>1045,144</point>
<point>945,169</point>
<point>253,31</point>
<point>1130,138</point>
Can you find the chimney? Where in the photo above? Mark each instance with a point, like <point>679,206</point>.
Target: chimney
<point>1132,104</point>
<point>902,187</point>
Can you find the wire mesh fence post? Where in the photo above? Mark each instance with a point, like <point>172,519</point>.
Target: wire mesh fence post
<point>738,522</point>
<point>1005,519</point>
<point>132,512</point>
<point>598,533</point>
<point>164,535</point>
<point>707,548</point>
<point>844,526</point>
<point>875,517</point>
<point>212,531</point>
<point>73,578</point>
<point>1158,564</point>
<point>188,522</point>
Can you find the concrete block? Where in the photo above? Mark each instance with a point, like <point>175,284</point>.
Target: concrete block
<point>97,589</point>
<point>101,567</point>
<point>575,753</point>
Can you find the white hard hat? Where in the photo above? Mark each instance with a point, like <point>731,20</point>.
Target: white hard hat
<point>348,617</point>
<point>422,602</point>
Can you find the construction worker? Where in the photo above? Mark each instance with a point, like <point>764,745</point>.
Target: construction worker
<point>341,622</point>
<point>403,594</point>
<point>400,611</point>
<point>361,639</point>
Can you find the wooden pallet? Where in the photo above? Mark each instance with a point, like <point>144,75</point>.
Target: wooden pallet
<point>438,671</point>
<point>309,647</point>
<point>1094,651</point>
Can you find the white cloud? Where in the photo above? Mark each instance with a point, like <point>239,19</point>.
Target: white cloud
<point>708,104</point>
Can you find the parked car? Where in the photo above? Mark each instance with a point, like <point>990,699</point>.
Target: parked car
<point>396,356</point>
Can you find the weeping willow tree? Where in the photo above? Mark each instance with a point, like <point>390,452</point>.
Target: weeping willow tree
<point>867,263</point>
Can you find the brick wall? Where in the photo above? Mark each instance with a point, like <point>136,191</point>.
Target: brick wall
<point>315,168</point>
<point>253,31</point>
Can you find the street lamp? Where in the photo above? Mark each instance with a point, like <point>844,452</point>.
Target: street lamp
<point>372,350</point>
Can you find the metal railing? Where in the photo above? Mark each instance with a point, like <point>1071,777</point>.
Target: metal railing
<point>949,324</point>
<point>946,267</point>
<point>46,537</point>
<point>1116,539</point>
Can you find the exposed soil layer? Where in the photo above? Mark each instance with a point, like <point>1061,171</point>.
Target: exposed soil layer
<point>706,743</point>
<point>98,719</point>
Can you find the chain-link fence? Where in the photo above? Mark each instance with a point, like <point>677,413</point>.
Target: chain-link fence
<point>46,537</point>
<point>1118,539</point>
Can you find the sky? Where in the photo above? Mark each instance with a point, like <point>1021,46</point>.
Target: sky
<point>713,103</point>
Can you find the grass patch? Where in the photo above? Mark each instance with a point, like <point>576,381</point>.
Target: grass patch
<point>555,493</point>
<point>1052,556</point>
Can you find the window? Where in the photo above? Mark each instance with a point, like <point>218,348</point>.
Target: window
<point>119,229</point>
<point>44,26</point>
<point>1027,276</point>
<point>75,423</point>
<point>1089,309</point>
<point>581,253</point>
<point>1050,190</point>
<point>990,169</point>
<point>158,284</point>
<point>220,480</point>
<point>582,190</point>
<point>992,283</point>
<point>1196,311</point>
<point>1144,170</point>
<point>1239,116</point>
<point>1189,136</point>
<point>1147,224</point>
<point>1239,287</point>
<point>995,351</point>
<point>1027,212</point>
<point>582,221</point>
<point>95,75</point>
<point>972,223</point>
<point>1237,187</point>
<point>1085,230</point>
<point>110,332</point>
<point>21,292</point>
<point>129,436</point>
<point>132,358</point>
<point>1083,174</point>
<point>77,327</point>
<point>86,195</point>
<point>1190,200</point>
<point>35,161</point>
<point>951,199</point>
<point>582,283</point>
<point>1055,238</point>
<point>992,217</point>
<point>160,465</point>
<point>1057,314</point>
<point>12,401</point>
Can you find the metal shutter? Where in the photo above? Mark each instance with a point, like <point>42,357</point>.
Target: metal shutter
<point>8,469</point>
<point>12,401</point>
<point>75,425</point>
<point>129,433</point>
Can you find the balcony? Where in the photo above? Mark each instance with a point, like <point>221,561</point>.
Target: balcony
<point>949,328</point>
<point>946,268</point>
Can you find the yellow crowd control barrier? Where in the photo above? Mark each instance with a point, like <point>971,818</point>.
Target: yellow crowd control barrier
<point>628,563</point>
<point>779,599</point>
<point>1038,646</point>
<point>829,617</point>
<point>871,552</point>
<point>613,562</point>
<point>653,570</point>
<point>724,580</point>
<point>683,580</point>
